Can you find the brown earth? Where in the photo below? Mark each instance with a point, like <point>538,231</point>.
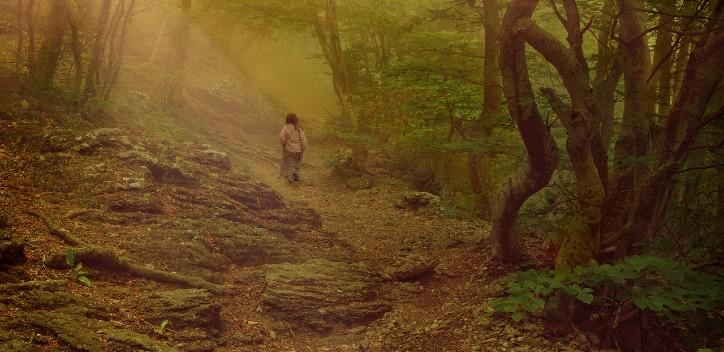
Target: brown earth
<point>253,266</point>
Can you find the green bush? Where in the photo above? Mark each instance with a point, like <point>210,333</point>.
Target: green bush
<point>655,284</point>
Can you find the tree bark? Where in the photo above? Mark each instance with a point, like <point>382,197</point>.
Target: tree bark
<point>48,56</point>
<point>31,21</point>
<point>685,122</point>
<point>663,58</point>
<point>76,49</point>
<point>339,67</point>
<point>541,148</point>
<point>114,67</point>
<point>97,53</point>
<point>631,147</point>
<point>479,163</point>
<point>21,39</point>
<point>177,68</point>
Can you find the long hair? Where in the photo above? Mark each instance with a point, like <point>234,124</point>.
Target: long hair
<point>292,119</point>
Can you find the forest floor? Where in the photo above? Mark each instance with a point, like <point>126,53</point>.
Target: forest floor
<point>313,266</point>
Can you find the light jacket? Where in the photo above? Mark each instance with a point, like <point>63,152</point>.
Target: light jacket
<point>293,139</point>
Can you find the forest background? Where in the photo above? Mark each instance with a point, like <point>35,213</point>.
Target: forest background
<point>595,123</point>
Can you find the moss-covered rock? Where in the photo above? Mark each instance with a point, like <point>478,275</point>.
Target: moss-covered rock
<point>320,294</point>
<point>132,202</point>
<point>79,333</point>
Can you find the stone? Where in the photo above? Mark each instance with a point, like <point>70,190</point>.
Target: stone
<point>416,200</point>
<point>171,174</point>
<point>80,333</point>
<point>255,195</point>
<point>213,158</point>
<point>248,246</point>
<point>132,202</point>
<point>187,309</point>
<point>57,141</point>
<point>103,137</point>
<point>319,294</point>
<point>410,267</point>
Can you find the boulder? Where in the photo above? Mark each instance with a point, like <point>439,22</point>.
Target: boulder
<point>186,309</point>
<point>103,137</point>
<point>319,294</point>
<point>50,308</point>
<point>416,200</point>
<point>247,246</point>
<point>255,195</point>
<point>132,202</point>
<point>171,174</point>
<point>213,158</point>
<point>410,267</point>
<point>80,333</point>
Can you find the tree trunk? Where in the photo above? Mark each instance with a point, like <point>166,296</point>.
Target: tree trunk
<point>177,69</point>
<point>114,67</point>
<point>664,58</point>
<point>630,166</point>
<point>480,163</point>
<point>76,50</point>
<point>48,56</point>
<point>31,21</point>
<point>541,148</point>
<point>21,39</point>
<point>339,67</point>
<point>159,40</point>
<point>98,52</point>
<point>685,122</point>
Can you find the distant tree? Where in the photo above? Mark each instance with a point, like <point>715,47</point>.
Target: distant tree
<point>178,57</point>
<point>48,56</point>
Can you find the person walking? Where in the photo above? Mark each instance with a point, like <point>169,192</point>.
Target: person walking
<point>294,143</point>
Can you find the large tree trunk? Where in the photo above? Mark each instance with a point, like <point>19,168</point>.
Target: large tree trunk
<point>685,122</point>
<point>541,148</point>
<point>581,120</point>
<point>48,57</point>
<point>630,168</point>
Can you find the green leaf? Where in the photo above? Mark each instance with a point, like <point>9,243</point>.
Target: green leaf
<point>84,280</point>
<point>79,267</point>
<point>585,297</point>
<point>70,257</point>
<point>517,316</point>
<point>638,263</point>
<point>163,325</point>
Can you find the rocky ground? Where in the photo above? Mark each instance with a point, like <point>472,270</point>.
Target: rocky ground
<point>186,252</point>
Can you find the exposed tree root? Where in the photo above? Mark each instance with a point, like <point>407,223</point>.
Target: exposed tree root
<point>110,260</point>
<point>48,285</point>
<point>63,234</point>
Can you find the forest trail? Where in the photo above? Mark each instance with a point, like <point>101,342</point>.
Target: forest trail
<point>233,257</point>
<point>442,268</point>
